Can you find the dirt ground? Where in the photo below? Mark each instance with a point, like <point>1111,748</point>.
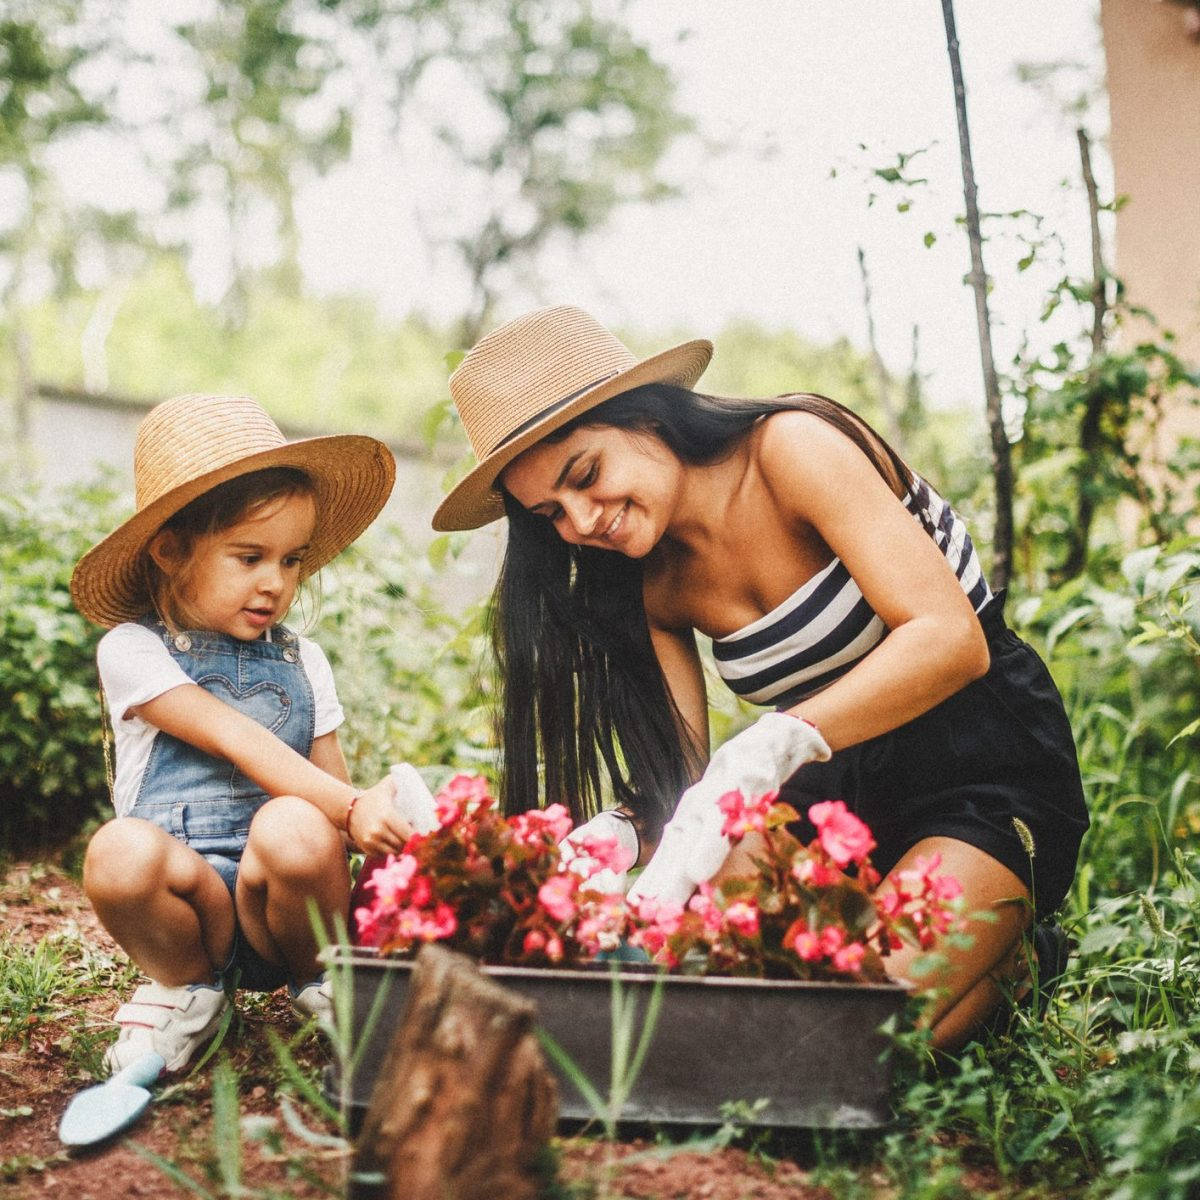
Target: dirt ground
<point>52,1056</point>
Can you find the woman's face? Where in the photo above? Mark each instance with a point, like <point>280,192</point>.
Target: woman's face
<point>600,486</point>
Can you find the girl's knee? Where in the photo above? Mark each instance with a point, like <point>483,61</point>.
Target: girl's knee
<point>126,857</point>
<point>292,839</point>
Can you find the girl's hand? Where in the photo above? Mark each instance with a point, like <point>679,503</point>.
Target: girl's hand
<point>374,824</point>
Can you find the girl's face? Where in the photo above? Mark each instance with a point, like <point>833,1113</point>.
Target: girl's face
<point>600,486</point>
<point>241,581</point>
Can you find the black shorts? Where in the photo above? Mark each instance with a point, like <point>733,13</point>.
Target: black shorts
<point>1000,748</point>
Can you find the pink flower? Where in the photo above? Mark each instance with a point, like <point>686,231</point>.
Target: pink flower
<point>463,794</point>
<point>541,825</point>
<point>705,907</point>
<point>662,914</point>
<point>601,922</point>
<point>369,925</point>
<point>945,888</point>
<point>595,854</point>
<point>803,942</point>
<point>555,895</point>
<point>832,939</point>
<point>441,924</point>
<point>849,958</point>
<point>744,816</point>
<point>554,948</point>
<point>810,872</point>
<point>535,942</point>
<point>391,882</point>
<point>843,836</point>
<point>742,915</point>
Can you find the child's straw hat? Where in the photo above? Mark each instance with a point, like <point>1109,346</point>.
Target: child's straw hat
<point>186,447</point>
<point>525,379</point>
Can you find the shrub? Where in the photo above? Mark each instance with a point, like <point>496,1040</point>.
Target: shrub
<point>51,760</point>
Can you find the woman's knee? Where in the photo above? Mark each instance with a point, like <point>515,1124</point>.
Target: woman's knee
<point>126,859</point>
<point>293,840</point>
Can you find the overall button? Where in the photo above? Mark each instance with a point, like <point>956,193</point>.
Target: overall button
<point>290,655</point>
<point>183,643</point>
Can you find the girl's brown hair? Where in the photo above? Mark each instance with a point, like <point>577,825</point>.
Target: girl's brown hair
<point>224,506</point>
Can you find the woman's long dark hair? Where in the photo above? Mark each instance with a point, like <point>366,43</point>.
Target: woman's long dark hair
<point>579,679</point>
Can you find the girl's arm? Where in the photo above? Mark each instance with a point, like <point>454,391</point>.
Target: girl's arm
<point>202,720</point>
<point>935,645</point>
<point>327,754</point>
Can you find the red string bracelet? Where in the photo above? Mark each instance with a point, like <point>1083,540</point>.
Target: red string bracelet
<point>350,809</point>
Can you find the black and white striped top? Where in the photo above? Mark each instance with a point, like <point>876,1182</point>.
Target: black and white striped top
<point>826,625</point>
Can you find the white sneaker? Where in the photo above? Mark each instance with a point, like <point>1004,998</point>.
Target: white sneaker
<point>172,1021</point>
<point>314,999</point>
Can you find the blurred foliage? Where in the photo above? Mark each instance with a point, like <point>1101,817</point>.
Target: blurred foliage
<point>325,364</point>
<point>413,678</point>
<point>1126,654</point>
<point>51,765</point>
<point>336,363</point>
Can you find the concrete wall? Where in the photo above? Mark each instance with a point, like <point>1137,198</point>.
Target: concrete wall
<point>1154,97</point>
<point>73,437</point>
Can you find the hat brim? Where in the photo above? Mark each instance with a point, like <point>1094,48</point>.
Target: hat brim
<point>353,477</point>
<point>476,501</point>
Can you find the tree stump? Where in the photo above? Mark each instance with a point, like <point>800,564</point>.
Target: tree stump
<point>464,1104</point>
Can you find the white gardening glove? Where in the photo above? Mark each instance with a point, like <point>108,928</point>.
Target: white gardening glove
<point>413,800</point>
<point>610,826</point>
<point>757,760</point>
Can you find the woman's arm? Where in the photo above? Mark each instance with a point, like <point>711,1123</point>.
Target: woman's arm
<point>680,663</point>
<point>202,720</point>
<point>935,645</point>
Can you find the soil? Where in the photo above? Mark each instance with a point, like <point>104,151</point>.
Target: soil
<point>53,1056</point>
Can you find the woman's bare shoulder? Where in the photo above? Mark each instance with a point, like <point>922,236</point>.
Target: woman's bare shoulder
<point>795,452</point>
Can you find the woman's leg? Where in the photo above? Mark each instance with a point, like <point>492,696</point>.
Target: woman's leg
<point>162,903</point>
<point>294,855</point>
<point>970,985</point>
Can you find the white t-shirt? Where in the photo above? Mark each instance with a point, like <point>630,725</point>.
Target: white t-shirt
<point>135,667</point>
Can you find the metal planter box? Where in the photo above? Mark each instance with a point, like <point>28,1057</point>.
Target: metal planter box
<point>813,1050</point>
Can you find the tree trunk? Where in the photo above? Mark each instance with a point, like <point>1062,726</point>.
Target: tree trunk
<point>1090,442</point>
<point>883,377</point>
<point>464,1105</point>
<point>1002,536</point>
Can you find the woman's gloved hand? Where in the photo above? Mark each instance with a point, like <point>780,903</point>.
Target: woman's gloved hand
<point>757,760</point>
<point>605,826</point>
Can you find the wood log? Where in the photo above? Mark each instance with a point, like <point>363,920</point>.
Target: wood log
<point>464,1104</point>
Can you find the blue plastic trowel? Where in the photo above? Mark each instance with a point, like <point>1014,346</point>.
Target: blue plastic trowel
<point>100,1112</point>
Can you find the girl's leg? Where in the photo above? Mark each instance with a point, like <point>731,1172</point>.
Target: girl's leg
<point>163,904</point>
<point>294,856</point>
<point>968,986</point>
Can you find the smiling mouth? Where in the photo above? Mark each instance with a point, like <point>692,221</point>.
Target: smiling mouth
<point>617,521</point>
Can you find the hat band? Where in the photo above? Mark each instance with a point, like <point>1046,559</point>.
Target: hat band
<point>550,410</point>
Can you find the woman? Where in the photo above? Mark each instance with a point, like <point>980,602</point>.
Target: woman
<point>837,588</point>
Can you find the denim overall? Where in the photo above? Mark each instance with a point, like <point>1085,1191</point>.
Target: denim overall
<point>205,801</point>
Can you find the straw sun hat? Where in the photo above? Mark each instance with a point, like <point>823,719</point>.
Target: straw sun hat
<point>525,379</point>
<point>186,447</point>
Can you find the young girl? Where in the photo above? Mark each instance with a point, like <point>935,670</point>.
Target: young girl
<point>838,589</point>
<point>232,795</point>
